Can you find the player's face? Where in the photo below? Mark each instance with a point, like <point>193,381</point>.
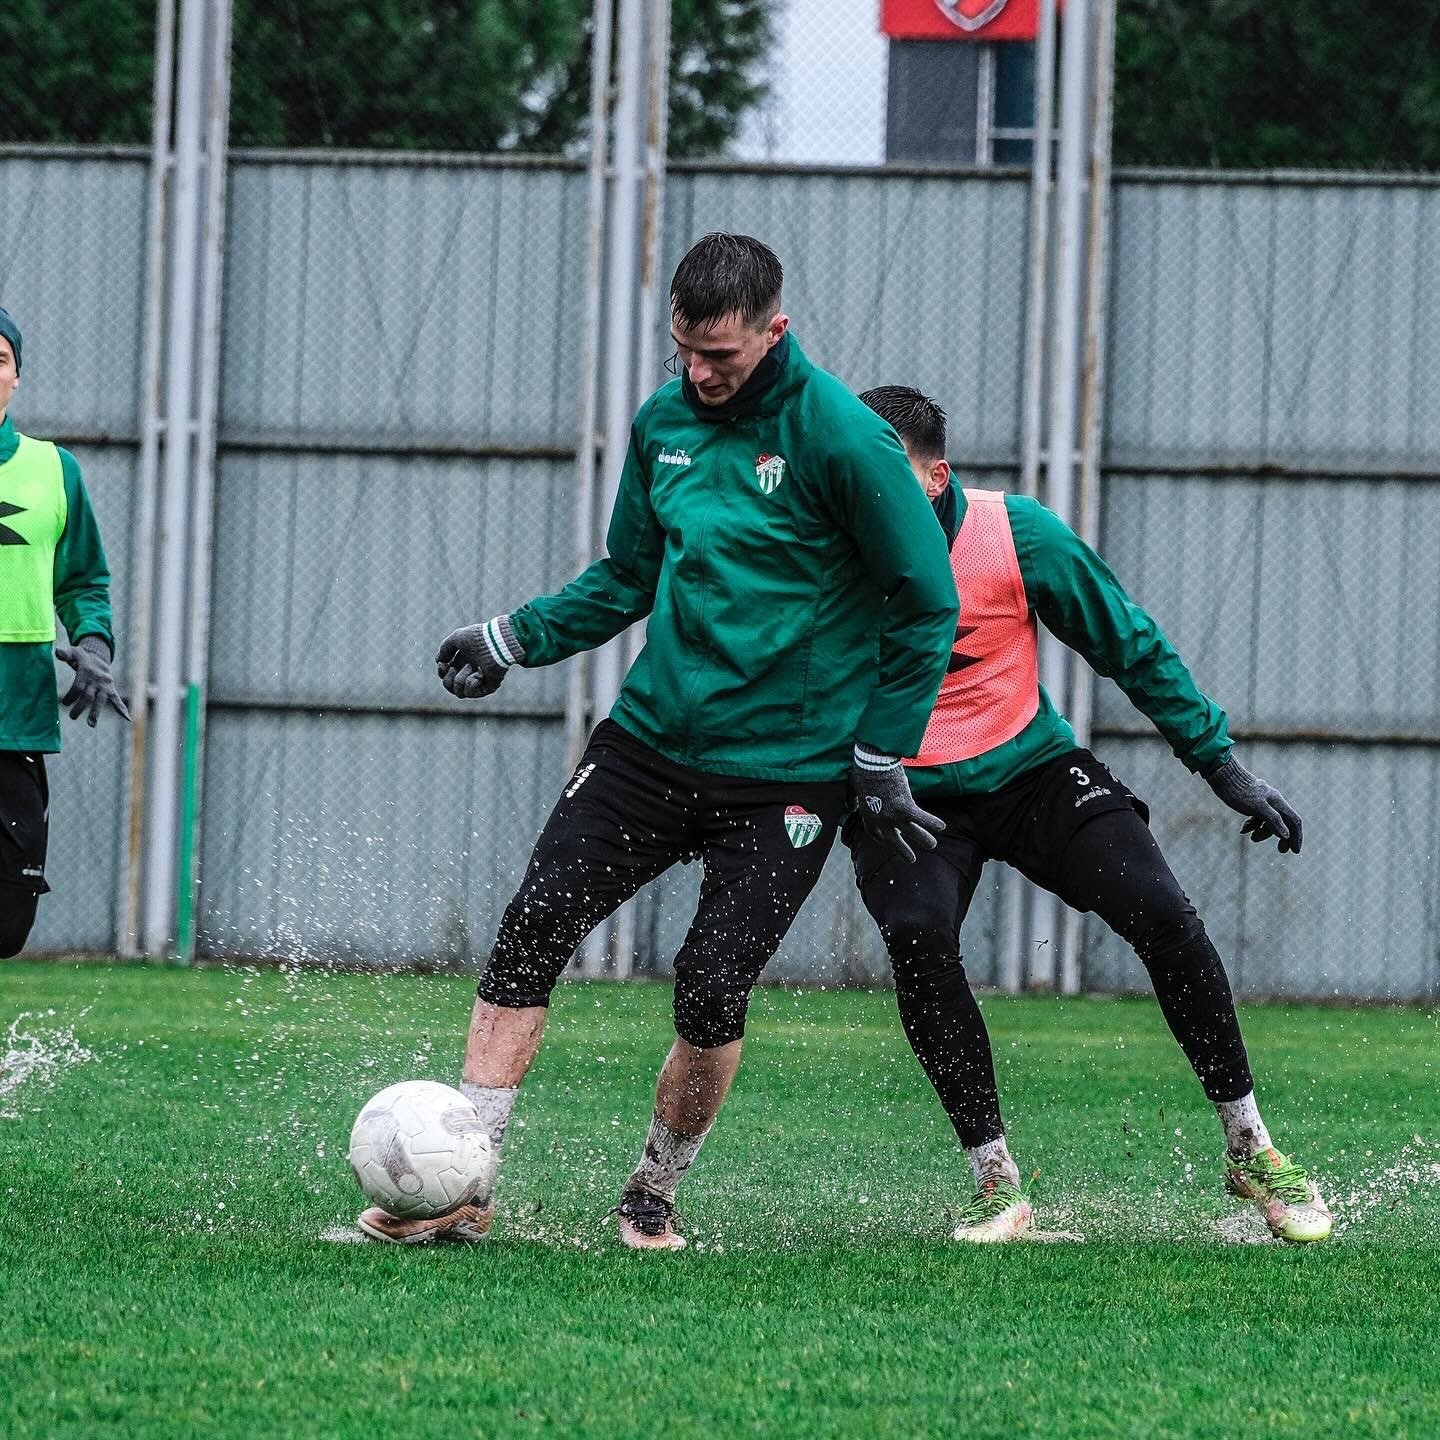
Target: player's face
<point>721,357</point>
<point>9,375</point>
<point>933,475</point>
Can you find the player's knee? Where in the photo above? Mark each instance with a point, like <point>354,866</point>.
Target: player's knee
<point>919,941</point>
<point>931,978</point>
<point>519,978</point>
<point>710,1009</point>
<point>1170,934</point>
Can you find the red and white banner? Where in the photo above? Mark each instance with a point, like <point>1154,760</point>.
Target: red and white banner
<point>960,19</point>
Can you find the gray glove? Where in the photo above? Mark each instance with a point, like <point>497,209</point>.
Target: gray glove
<point>1263,803</point>
<point>93,687</point>
<point>473,660</point>
<point>887,813</point>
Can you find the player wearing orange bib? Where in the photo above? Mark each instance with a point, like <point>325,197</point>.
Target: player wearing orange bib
<point>1001,766</point>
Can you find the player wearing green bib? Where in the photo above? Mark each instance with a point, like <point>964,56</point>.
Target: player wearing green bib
<point>51,559</point>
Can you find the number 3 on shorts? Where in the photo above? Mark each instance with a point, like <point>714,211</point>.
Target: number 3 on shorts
<point>1081,778</point>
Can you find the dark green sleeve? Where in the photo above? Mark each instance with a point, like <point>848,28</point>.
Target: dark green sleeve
<point>614,592</point>
<point>1075,595</point>
<point>82,575</point>
<point>880,503</point>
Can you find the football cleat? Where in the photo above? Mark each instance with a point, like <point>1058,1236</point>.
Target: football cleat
<point>1282,1192</point>
<point>466,1224</point>
<point>997,1212</point>
<point>647,1221</point>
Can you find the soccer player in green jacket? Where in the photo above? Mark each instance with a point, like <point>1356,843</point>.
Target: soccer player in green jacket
<point>999,764</point>
<point>801,612</point>
<point>50,559</point>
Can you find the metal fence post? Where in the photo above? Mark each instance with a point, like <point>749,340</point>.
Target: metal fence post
<point>189,352</point>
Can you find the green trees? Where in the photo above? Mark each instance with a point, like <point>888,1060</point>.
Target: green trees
<point>389,74</point>
<point>1314,83</point>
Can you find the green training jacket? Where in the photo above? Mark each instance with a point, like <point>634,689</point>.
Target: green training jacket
<point>1074,594</point>
<point>796,579</point>
<point>29,712</point>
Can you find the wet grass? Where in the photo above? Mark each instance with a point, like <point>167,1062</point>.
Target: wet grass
<point>165,1266</point>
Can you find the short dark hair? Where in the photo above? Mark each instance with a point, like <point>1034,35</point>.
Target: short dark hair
<point>915,418</point>
<point>726,275</point>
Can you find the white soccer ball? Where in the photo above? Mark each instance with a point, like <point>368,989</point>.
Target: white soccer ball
<point>420,1149</point>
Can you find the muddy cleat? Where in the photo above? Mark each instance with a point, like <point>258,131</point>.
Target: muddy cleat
<point>466,1225</point>
<point>647,1221</point>
<point>1282,1192</point>
<point>997,1212</point>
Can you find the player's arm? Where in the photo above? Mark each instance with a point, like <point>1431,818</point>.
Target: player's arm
<point>886,513</point>
<point>82,599</point>
<point>606,598</point>
<point>1077,597</point>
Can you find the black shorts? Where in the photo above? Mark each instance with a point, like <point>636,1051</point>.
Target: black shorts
<point>24,821</point>
<point>1028,823</point>
<point>626,816</point>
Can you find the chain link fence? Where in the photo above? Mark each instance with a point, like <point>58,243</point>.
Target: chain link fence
<point>400,380</point>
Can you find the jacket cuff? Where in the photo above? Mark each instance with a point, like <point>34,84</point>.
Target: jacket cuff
<point>869,759</point>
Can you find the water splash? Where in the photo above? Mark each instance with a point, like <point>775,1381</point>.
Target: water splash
<point>37,1056</point>
<point>1413,1176</point>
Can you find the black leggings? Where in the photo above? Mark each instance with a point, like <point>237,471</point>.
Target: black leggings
<point>1111,865</point>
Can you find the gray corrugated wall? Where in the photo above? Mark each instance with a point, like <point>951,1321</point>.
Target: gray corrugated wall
<point>398,395</point>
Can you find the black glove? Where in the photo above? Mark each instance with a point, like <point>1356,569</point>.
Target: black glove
<point>1263,803</point>
<point>880,797</point>
<point>94,686</point>
<point>473,660</point>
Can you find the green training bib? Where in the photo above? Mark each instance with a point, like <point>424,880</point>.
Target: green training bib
<point>32,520</point>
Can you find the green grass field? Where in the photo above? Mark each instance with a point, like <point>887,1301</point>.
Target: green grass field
<point>177,1257</point>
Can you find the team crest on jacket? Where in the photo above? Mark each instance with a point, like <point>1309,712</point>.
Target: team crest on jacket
<point>801,826</point>
<point>769,471</point>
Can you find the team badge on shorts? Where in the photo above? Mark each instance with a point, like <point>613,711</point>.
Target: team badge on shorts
<point>801,826</point>
<point>769,471</point>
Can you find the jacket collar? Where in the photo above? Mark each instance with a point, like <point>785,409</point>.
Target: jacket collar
<point>774,380</point>
<point>9,440</point>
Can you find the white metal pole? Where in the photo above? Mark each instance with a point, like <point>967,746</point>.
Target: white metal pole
<point>1038,274</point>
<point>651,245</point>
<point>620,304</point>
<point>985,105</point>
<point>170,627</point>
<point>1015,891</point>
<point>142,543</point>
<point>212,269</point>
<point>1092,400</point>
<point>1064,387</point>
<point>577,708</point>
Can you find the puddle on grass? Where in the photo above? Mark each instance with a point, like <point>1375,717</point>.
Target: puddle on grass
<point>344,1235</point>
<point>35,1056</point>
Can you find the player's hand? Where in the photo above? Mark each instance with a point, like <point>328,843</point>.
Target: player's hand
<point>886,811</point>
<point>1263,803</point>
<point>473,660</point>
<point>94,686</point>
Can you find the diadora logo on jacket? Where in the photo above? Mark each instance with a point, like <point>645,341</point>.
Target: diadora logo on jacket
<point>677,456</point>
<point>769,471</point>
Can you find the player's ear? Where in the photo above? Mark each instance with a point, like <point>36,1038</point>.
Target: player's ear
<point>778,325</point>
<point>938,478</point>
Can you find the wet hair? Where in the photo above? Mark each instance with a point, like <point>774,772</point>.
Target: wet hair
<point>725,275</point>
<point>915,418</point>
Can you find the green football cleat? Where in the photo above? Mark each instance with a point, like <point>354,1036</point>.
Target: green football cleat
<point>1283,1193</point>
<point>995,1213</point>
